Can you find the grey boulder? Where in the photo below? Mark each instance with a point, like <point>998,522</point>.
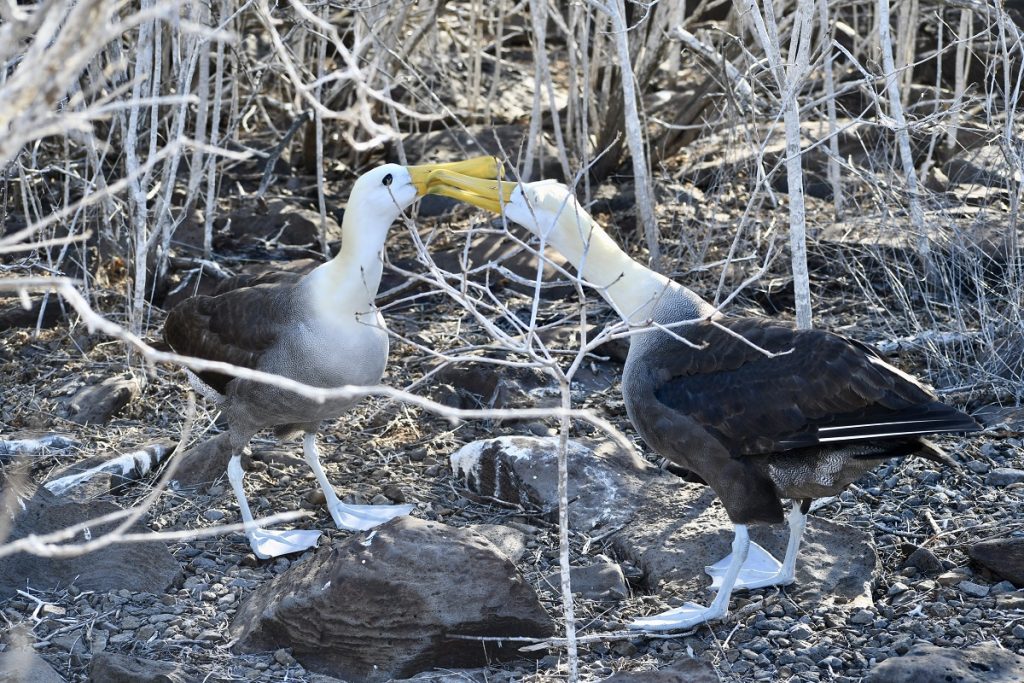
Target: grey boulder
<point>682,529</point>
<point>23,665</point>
<point>389,602</point>
<point>1004,557</point>
<point>606,483</point>
<point>110,667</point>
<point>984,663</point>
<point>97,403</point>
<point>685,671</point>
<point>669,528</point>
<point>146,566</point>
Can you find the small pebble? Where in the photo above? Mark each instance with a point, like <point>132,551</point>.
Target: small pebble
<point>1001,588</point>
<point>990,449</point>
<point>972,589</point>
<point>924,561</point>
<point>213,515</point>
<point>801,632</point>
<point>1010,600</point>
<point>831,661</point>
<point>394,494</point>
<point>1018,631</point>
<point>283,657</point>
<point>953,577</point>
<point>898,588</point>
<point>862,618</point>
<point>1004,476</point>
<point>131,622</point>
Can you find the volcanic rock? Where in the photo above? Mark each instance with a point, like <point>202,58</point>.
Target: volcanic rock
<point>924,561</point>
<point>146,566</point>
<point>1004,476</point>
<point>986,165</point>
<point>281,223</point>
<point>385,604</point>
<point>23,665</point>
<point>486,385</point>
<point>115,668</point>
<point>984,663</point>
<point>679,532</point>
<point>671,529</point>
<point>606,483</point>
<point>601,581</point>
<point>510,541</point>
<point>1004,557</point>
<point>98,403</point>
<point>204,463</point>
<point>685,671</point>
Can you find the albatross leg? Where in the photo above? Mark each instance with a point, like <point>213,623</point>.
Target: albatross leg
<point>266,543</point>
<point>761,569</point>
<point>345,516</point>
<point>692,614</point>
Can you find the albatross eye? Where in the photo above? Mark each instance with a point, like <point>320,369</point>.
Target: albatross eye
<point>387,179</point>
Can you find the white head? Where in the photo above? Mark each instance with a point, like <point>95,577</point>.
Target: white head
<point>379,196</point>
<point>383,193</point>
<point>548,209</point>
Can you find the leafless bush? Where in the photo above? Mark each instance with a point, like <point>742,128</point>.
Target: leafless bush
<point>122,123</point>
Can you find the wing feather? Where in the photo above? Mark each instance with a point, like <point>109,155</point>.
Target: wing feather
<point>819,388</point>
<point>236,326</point>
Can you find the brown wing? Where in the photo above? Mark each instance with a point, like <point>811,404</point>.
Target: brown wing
<point>296,271</point>
<point>235,327</point>
<point>822,388</point>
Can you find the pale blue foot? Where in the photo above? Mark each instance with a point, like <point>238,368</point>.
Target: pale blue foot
<point>364,517</point>
<point>758,571</point>
<point>267,543</point>
<point>685,617</point>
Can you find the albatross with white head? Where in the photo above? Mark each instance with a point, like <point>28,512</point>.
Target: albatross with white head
<point>759,410</point>
<point>321,329</point>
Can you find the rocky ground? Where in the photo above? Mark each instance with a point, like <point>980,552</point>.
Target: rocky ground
<point>910,556</point>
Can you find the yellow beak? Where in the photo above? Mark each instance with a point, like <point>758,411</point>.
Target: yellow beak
<point>487,193</point>
<point>477,167</point>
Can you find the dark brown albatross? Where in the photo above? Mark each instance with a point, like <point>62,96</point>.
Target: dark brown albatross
<point>321,329</point>
<point>761,411</point>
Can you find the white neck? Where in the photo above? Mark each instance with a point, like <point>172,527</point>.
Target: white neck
<point>632,289</point>
<point>348,283</point>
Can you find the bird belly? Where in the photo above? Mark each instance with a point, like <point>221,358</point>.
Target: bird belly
<point>815,473</point>
<point>327,356</point>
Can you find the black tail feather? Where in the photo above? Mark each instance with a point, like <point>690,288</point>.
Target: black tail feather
<point>931,418</point>
<point>906,447</point>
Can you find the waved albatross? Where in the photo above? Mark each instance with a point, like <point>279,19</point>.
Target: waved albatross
<point>321,328</point>
<point>801,421</point>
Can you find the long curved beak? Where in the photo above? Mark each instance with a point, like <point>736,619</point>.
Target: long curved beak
<point>490,193</point>
<point>477,167</point>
